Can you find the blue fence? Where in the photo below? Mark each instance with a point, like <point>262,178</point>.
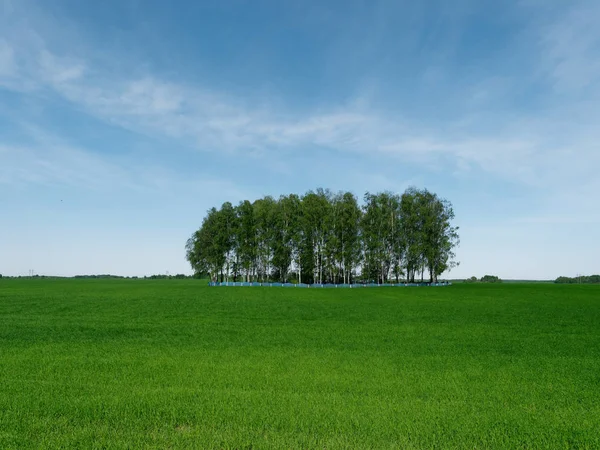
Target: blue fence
<point>323,286</point>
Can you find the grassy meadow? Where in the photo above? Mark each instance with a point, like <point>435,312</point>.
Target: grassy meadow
<point>176,364</point>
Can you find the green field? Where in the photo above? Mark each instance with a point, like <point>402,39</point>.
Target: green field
<point>175,364</point>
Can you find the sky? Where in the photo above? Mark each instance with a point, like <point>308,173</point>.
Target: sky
<point>123,121</point>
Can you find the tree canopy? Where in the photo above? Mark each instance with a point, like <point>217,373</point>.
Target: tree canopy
<point>580,279</point>
<point>327,237</point>
<point>490,279</point>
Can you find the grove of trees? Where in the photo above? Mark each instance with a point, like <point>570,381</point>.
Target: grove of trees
<point>582,279</point>
<point>326,237</point>
<point>490,279</point>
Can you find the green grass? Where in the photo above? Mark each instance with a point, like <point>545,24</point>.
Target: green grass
<point>175,364</point>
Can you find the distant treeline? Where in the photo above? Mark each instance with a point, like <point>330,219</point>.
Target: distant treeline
<point>484,279</point>
<point>101,276</point>
<point>325,237</point>
<point>588,279</point>
<point>179,276</point>
<point>31,276</point>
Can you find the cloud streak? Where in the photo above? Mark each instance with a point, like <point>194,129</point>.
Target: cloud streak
<point>533,148</point>
<point>50,162</point>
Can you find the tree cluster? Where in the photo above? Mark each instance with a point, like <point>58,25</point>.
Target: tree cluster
<point>585,279</point>
<point>326,237</point>
<point>484,279</point>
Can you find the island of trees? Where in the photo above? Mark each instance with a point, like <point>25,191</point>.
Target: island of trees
<point>326,237</point>
<point>580,279</point>
<point>484,279</point>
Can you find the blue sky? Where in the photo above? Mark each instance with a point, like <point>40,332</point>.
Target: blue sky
<point>122,122</point>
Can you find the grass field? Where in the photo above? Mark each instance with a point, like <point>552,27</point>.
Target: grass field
<point>175,364</point>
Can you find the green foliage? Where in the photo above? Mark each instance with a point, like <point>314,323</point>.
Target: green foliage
<point>174,364</point>
<point>583,279</point>
<point>345,236</point>
<point>381,236</point>
<point>471,280</point>
<point>246,246</point>
<point>286,217</point>
<point>326,237</point>
<point>490,279</point>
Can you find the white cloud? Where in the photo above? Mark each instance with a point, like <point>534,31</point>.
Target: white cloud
<point>536,149</point>
<point>571,47</point>
<point>216,122</point>
<point>61,164</point>
<point>58,71</point>
<point>56,163</point>
<point>51,161</point>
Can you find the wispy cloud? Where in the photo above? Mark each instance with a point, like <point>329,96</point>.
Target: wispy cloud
<point>57,163</point>
<point>571,46</point>
<point>51,161</point>
<point>213,121</point>
<point>531,148</point>
<point>7,60</point>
